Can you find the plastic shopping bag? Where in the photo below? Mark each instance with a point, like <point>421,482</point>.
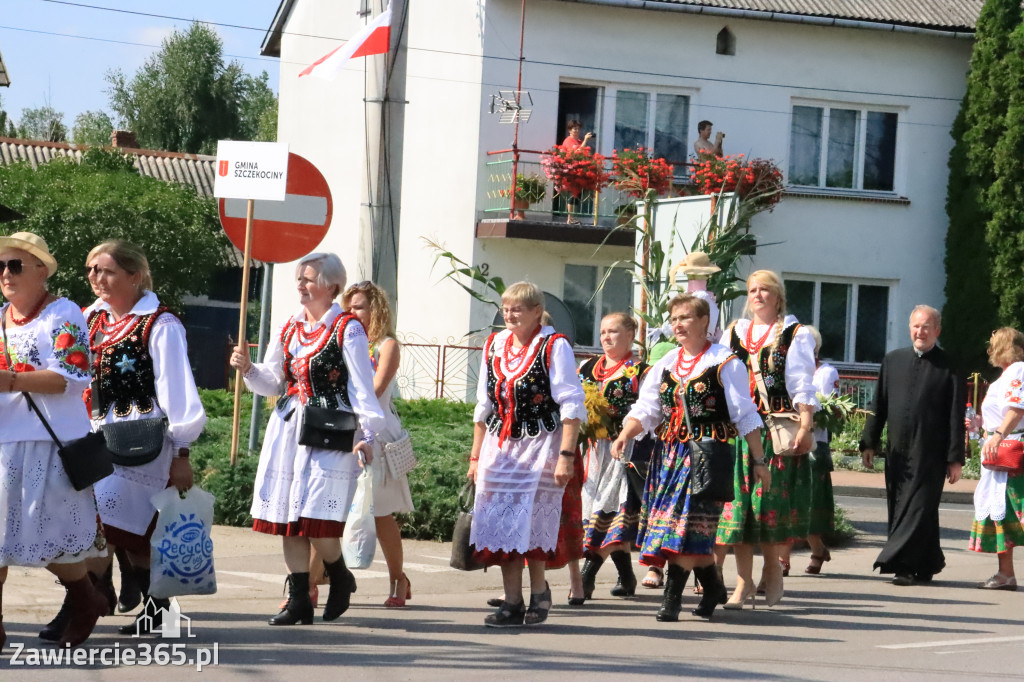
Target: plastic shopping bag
<point>359,542</point>
<point>182,551</point>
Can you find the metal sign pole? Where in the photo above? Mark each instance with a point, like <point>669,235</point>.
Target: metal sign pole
<point>264,339</point>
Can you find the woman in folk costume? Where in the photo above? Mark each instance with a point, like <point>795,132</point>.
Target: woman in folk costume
<point>999,497</point>
<point>44,355</point>
<point>320,359</point>
<point>611,506</point>
<point>529,406</point>
<point>699,390</point>
<point>778,348</point>
<point>140,372</point>
<point>391,495</point>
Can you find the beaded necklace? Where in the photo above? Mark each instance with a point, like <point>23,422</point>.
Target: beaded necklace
<point>110,329</point>
<point>513,358</point>
<point>684,368</point>
<point>755,348</point>
<point>20,321</point>
<point>601,373</point>
<point>307,339</point>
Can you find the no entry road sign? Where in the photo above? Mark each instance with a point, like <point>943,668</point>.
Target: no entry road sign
<point>286,230</point>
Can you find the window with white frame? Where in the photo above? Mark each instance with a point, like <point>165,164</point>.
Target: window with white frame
<point>586,307</point>
<point>842,147</point>
<point>654,120</point>
<point>852,316</point>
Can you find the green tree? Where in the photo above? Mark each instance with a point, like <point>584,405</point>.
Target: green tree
<point>7,127</point>
<point>258,120</point>
<point>970,310</point>
<point>92,128</point>
<point>185,98</point>
<point>42,123</point>
<point>1005,198</point>
<point>75,206</point>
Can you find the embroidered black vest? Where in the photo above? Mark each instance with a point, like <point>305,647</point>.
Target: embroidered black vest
<point>773,373</point>
<point>620,392</point>
<point>705,396</point>
<point>123,375</point>
<point>532,408</point>
<point>321,377</point>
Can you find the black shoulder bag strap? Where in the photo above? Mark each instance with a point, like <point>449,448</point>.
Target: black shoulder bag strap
<point>31,403</point>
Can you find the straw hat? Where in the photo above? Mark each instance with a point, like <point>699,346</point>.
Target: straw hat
<point>34,244</point>
<point>697,263</point>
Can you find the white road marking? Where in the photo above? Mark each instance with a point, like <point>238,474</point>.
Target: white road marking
<point>952,642</point>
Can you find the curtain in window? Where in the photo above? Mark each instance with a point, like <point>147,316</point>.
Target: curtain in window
<point>805,145</point>
<point>842,147</point>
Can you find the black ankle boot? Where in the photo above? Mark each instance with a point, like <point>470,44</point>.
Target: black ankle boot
<point>130,595</point>
<point>53,630</point>
<point>626,585</point>
<point>672,603</point>
<point>150,619</point>
<point>714,591</point>
<point>299,608</point>
<point>343,585</point>
<point>590,568</point>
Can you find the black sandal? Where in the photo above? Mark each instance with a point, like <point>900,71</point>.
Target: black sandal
<point>507,616</point>
<point>540,604</point>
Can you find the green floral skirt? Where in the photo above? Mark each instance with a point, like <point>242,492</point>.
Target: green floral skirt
<point>822,509</point>
<point>780,515</point>
<point>998,536</point>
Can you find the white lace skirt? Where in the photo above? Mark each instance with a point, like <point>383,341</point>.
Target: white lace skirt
<point>124,498</point>
<point>43,518</point>
<point>606,485</point>
<point>518,505</point>
<point>295,481</point>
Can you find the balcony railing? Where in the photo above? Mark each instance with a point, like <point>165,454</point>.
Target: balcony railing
<point>605,208</point>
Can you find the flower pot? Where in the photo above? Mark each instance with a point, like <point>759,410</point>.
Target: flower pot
<point>519,207</point>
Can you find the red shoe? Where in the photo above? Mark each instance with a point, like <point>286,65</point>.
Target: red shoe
<point>394,601</point>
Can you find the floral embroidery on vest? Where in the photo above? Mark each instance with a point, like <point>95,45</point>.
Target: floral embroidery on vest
<point>706,399</point>
<point>124,376</point>
<point>620,392</point>
<point>319,378</point>
<point>532,408</point>
<point>773,369</point>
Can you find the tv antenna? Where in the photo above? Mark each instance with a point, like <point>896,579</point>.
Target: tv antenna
<point>509,105</point>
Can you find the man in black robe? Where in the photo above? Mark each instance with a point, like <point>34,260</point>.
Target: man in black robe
<point>922,400</point>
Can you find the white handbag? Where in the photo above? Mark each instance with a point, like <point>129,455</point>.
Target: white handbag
<point>399,456</point>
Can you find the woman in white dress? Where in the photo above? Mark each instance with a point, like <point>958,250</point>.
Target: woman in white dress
<point>45,354</point>
<point>140,371</point>
<point>318,358</point>
<point>391,495</point>
<point>999,497</point>
<point>529,406</point>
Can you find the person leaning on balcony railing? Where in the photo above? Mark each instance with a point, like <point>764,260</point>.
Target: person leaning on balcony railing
<point>529,406</point>
<point>570,143</point>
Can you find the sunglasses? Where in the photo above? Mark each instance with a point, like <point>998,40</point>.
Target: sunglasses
<point>16,266</point>
<point>96,271</point>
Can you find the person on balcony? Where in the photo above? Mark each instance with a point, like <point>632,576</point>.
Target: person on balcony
<point>571,142</point>
<point>703,145</point>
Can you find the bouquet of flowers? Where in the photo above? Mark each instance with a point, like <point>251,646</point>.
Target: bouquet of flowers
<point>758,179</point>
<point>599,421</point>
<point>634,172</point>
<point>576,170</point>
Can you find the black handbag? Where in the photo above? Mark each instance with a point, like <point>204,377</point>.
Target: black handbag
<point>137,442</point>
<point>712,464</point>
<point>327,429</point>
<point>462,551</point>
<point>85,460</point>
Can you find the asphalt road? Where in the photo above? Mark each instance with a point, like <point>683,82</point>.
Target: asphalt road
<point>845,624</point>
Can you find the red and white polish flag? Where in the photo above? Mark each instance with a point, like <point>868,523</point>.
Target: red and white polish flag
<point>374,38</point>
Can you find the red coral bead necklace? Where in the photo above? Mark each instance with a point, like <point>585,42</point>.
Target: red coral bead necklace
<point>754,348</point>
<point>685,367</point>
<point>20,321</point>
<point>601,371</point>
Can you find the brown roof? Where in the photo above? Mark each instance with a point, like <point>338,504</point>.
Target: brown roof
<point>944,15</point>
<point>195,170</point>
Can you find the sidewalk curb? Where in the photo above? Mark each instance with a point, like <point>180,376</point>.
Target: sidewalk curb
<point>948,496</point>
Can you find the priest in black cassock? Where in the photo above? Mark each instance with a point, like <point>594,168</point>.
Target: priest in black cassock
<point>921,398</point>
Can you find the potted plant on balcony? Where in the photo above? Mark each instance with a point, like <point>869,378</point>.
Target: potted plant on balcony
<point>634,171</point>
<point>759,181</point>
<point>530,189</point>
<point>574,171</point>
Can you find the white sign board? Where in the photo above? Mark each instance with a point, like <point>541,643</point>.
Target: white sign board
<point>251,170</point>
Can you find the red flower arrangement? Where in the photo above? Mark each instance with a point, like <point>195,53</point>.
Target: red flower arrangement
<point>760,179</point>
<point>634,172</point>
<point>574,170</point>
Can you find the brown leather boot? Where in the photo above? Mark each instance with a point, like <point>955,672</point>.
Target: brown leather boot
<point>89,604</point>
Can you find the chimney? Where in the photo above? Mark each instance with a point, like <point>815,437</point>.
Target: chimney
<point>124,139</point>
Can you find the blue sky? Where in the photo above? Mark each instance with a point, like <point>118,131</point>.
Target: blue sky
<point>68,72</point>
